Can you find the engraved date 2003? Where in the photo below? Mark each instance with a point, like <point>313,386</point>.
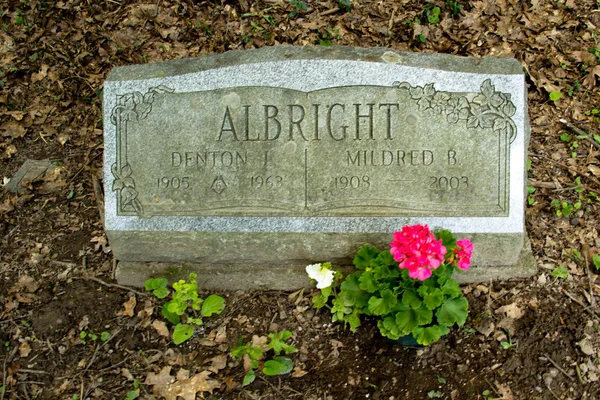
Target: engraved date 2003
<point>449,183</point>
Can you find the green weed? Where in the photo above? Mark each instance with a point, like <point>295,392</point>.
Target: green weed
<point>455,7</point>
<point>299,7</point>
<point>278,365</point>
<point>185,309</point>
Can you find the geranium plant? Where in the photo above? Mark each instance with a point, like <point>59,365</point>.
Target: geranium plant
<point>409,288</point>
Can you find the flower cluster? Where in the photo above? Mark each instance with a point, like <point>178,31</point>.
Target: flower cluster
<point>320,273</point>
<point>463,251</point>
<point>416,249</point>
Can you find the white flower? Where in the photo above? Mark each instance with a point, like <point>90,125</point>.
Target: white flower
<point>321,274</point>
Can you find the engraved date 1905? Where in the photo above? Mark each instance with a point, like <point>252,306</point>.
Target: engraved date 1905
<point>173,182</point>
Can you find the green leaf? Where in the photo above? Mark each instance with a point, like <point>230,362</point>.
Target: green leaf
<point>364,256</point>
<point>428,335</point>
<point>554,96</point>
<point>340,307</point>
<point>384,273</point>
<point>132,395</point>
<point>411,299</point>
<point>453,311</point>
<point>434,299</point>
<point>278,366</point>
<point>182,332</point>
<point>169,316</point>
<point>254,353</point>
<point>385,258</point>
<point>319,301</point>
<point>104,336</point>
<point>596,261</point>
<point>249,378</point>
<point>368,282</point>
<point>161,293</point>
<point>155,283</point>
<point>278,344</point>
<point>384,304</point>
<point>389,328</point>
<point>434,15</point>
<point>213,305</point>
<point>408,318</point>
<point>448,240</point>
<point>195,321</point>
<point>353,320</point>
<point>451,288</point>
<point>350,288</point>
<point>176,306</point>
<point>560,272</point>
<point>565,137</point>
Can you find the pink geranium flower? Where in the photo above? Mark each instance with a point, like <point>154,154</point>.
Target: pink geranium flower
<point>417,250</point>
<point>463,251</point>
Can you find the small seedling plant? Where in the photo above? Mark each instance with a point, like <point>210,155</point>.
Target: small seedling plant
<point>299,7</point>
<point>85,335</point>
<point>278,365</point>
<point>185,309</point>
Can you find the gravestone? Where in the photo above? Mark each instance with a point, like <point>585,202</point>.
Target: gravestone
<point>246,166</point>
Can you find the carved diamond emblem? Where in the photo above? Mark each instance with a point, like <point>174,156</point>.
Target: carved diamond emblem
<point>218,185</point>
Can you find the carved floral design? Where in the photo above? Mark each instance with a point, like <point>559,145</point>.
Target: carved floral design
<point>487,109</point>
<point>130,107</point>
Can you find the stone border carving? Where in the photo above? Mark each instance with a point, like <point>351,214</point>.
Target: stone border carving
<point>130,107</point>
<point>488,109</point>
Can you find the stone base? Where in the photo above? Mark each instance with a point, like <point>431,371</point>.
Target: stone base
<point>287,276</point>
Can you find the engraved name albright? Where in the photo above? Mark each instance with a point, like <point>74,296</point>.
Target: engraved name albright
<point>388,151</point>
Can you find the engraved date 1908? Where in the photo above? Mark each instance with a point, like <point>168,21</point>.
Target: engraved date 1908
<point>352,182</point>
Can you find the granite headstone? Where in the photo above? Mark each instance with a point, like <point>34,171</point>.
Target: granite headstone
<point>246,166</point>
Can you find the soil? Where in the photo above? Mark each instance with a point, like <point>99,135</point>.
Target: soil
<point>68,332</point>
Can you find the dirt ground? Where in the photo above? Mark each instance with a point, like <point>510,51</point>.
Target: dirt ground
<point>67,332</point>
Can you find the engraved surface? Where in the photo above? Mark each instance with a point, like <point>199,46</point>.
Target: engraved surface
<point>396,150</point>
<point>286,156</point>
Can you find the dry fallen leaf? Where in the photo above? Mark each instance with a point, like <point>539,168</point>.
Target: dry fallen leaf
<point>25,284</point>
<point>35,77</point>
<point>335,345</point>
<point>24,349</point>
<point>298,372</point>
<point>12,129</point>
<point>161,328</point>
<point>129,305</point>
<point>505,392</point>
<point>187,388</point>
<point>218,363</point>
<point>511,310</point>
<point>162,378</point>
<point>221,336</point>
